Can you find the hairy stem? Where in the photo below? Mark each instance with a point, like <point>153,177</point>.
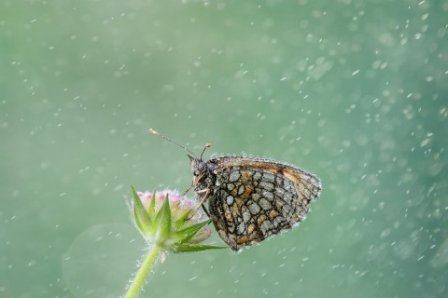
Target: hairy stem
<point>142,273</point>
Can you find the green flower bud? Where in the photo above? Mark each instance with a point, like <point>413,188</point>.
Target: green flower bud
<point>171,221</point>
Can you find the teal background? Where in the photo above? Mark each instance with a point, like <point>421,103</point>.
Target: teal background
<point>355,91</point>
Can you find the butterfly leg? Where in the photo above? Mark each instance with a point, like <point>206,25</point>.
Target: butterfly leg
<point>205,210</point>
<point>187,190</point>
<point>201,202</point>
<point>205,196</point>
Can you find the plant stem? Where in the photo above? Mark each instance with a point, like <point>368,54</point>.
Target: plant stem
<point>140,277</point>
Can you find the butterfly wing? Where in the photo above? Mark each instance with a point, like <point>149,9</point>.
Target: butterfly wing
<point>256,198</point>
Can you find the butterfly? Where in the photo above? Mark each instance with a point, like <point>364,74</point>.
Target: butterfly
<point>250,199</point>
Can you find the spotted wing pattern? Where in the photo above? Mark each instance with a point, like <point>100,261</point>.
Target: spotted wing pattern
<point>255,198</point>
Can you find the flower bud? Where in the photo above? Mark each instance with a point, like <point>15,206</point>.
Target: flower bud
<point>171,220</point>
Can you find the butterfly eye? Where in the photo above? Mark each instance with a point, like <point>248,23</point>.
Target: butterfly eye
<point>198,168</point>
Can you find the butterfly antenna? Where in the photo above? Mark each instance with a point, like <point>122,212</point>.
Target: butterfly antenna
<point>208,145</point>
<point>156,133</point>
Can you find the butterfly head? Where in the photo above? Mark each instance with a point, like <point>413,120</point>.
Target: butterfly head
<point>198,166</point>
<point>201,170</point>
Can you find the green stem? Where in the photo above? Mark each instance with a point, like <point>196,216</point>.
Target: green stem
<point>140,277</point>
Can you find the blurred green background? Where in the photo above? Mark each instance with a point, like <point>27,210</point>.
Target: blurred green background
<point>355,91</point>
